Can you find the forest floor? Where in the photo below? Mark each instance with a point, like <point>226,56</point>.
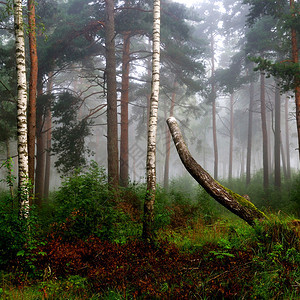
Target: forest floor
<point>86,244</point>
<point>97,269</point>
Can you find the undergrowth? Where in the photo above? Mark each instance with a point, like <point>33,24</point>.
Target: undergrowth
<point>85,244</point>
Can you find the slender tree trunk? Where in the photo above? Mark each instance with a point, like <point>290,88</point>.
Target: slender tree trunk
<point>287,139</point>
<point>40,153</point>
<point>231,137</point>
<point>214,112</point>
<point>112,112</point>
<point>48,136</point>
<point>168,140</point>
<point>151,144</point>
<point>295,57</point>
<point>264,130</point>
<point>124,172</point>
<point>21,109</point>
<point>250,125</point>
<point>237,204</point>
<point>32,89</point>
<point>277,141</point>
<point>242,162</point>
<point>283,158</point>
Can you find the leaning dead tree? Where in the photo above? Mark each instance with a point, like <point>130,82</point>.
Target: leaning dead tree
<point>237,204</point>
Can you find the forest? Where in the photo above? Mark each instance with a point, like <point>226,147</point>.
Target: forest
<point>149,149</point>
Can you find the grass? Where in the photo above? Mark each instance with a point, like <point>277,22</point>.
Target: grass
<point>86,245</point>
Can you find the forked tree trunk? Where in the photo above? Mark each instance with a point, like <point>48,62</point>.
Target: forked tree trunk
<point>237,204</point>
<point>32,89</point>
<point>112,113</point>
<point>151,144</point>
<point>23,186</point>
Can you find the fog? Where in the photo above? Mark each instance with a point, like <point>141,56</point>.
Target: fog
<point>216,40</point>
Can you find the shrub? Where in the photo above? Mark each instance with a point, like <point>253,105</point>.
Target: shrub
<point>12,230</point>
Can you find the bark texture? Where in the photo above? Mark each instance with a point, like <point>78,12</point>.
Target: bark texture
<point>237,204</point>
<point>32,89</point>
<point>152,127</point>
<point>112,117</point>
<point>21,108</point>
<point>295,56</point>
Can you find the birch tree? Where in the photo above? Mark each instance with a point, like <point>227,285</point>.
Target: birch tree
<point>239,205</point>
<point>21,107</point>
<point>152,127</point>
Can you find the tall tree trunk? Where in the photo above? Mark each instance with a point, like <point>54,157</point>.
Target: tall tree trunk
<point>40,153</point>
<point>48,136</point>
<point>295,57</point>
<point>237,204</point>
<point>231,137</point>
<point>124,172</point>
<point>151,141</point>
<point>277,141</point>
<point>282,154</point>
<point>214,111</point>
<point>112,113</point>
<point>32,89</point>
<point>264,130</point>
<point>168,140</point>
<point>250,125</point>
<point>21,109</point>
<point>287,139</point>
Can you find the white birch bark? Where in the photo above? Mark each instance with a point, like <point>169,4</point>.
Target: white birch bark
<point>152,126</point>
<point>239,205</point>
<point>21,107</point>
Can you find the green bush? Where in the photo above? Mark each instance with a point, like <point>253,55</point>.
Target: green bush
<point>12,229</point>
<point>295,193</point>
<point>85,206</point>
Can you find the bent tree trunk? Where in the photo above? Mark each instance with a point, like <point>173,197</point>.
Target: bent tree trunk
<point>237,204</point>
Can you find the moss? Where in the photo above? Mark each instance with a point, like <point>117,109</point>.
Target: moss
<point>243,201</point>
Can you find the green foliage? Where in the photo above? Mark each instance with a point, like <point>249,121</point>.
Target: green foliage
<point>260,8</point>
<point>12,229</point>
<point>84,206</point>
<point>295,192</point>
<point>89,255</point>
<point>287,72</point>
<point>69,134</point>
